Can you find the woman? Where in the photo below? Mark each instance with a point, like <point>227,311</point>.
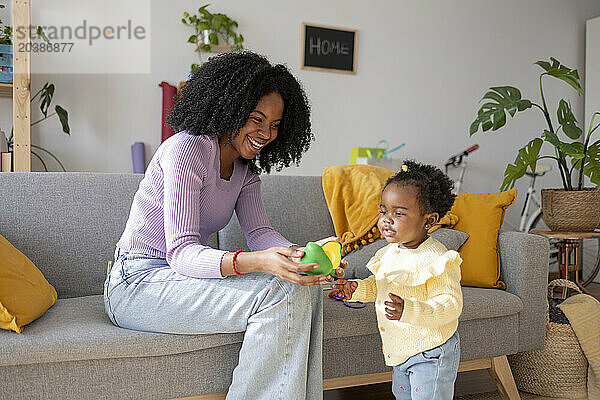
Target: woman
<point>237,116</point>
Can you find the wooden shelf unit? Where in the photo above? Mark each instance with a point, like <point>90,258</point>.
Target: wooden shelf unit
<point>20,89</point>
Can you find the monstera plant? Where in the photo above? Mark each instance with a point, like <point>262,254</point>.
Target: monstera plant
<point>44,97</point>
<point>574,152</point>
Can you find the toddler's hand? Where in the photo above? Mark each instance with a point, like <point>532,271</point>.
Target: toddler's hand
<point>396,307</point>
<point>347,288</point>
<point>339,272</point>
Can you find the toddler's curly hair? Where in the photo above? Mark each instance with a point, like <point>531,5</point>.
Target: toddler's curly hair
<point>433,186</point>
<point>220,95</point>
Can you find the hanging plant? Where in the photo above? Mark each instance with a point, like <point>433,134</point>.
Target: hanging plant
<point>212,32</point>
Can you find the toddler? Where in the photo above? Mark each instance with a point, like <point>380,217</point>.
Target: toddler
<point>415,285</point>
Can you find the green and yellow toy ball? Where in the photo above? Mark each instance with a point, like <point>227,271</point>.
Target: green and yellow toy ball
<point>328,256</point>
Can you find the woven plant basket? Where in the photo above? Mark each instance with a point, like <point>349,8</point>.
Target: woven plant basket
<point>560,369</point>
<point>571,211</point>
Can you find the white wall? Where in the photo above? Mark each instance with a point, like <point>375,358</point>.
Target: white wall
<point>592,66</point>
<point>422,66</point>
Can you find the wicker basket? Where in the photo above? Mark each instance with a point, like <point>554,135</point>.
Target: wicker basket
<point>571,211</point>
<point>560,369</point>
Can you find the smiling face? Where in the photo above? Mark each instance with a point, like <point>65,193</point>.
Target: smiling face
<point>260,129</point>
<point>401,218</point>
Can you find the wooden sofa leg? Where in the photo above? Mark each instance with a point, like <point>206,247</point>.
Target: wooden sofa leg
<point>503,378</point>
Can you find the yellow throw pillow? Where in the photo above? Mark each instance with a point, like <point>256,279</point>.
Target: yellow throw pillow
<point>25,294</point>
<point>481,216</point>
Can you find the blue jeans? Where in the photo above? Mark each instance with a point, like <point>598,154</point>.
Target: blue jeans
<point>429,375</point>
<point>281,354</point>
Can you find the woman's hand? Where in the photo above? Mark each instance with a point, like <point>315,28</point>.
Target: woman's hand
<point>347,288</point>
<point>396,307</point>
<point>339,271</point>
<point>320,242</point>
<point>278,261</point>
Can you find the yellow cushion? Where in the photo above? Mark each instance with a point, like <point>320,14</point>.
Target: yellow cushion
<point>481,216</point>
<point>25,294</point>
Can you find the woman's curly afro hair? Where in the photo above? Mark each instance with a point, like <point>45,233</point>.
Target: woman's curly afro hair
<point>433,186</point>
<point>220,95</point>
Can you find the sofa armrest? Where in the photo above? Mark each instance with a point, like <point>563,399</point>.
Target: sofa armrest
<point>524,269</point>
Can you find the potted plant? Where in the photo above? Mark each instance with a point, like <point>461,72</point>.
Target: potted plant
<point>212,32</point>
<point>5,32</point>
<point>44,96</point>
<point>5,52</point>
<point>573,207</point>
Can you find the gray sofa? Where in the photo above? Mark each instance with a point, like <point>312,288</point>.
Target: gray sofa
<point>68,223</point>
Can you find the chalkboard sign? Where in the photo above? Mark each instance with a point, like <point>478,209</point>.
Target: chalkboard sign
<point>327,48</point>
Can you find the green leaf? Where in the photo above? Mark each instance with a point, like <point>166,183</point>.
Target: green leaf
<point>213,38</point>
<point>184,21</point>
<point>530,153</point>
<point>572,131</point>
<point>193,67</point>
<point>544,64</point>
<point>63,116</point>
<point>551,138</point>
<point>564,73</point>
<point>474,127</point>
<point>499,118</point>
<point>492,114</point>
<point>527,157</point>
<point>203,10</point>
<point>205,47</point>
<point>523,105</point>
<point>186,14</point>
<point>202,26</point>
<point>567,120</point>
<point>511,174</point>
<point>46,98</point>
<point>574,150</point>
<point>193,39</point>
<point>216,22</point>
<point>591,166</point>
<point>40,32</point>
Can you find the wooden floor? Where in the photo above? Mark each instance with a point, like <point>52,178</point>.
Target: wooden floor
<point>466,382</point>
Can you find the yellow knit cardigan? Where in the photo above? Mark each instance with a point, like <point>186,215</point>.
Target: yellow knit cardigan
<point>428,279</point>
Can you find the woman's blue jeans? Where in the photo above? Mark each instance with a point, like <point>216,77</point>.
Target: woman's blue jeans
<point>429,375</point>
<point>281,355</point>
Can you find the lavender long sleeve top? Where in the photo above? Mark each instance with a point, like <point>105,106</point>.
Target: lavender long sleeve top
<point>183,199</point>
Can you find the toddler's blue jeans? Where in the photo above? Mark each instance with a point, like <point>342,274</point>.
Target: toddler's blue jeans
<point>429,375</point>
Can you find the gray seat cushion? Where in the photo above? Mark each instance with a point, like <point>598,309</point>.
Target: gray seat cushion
<point>357,260</point>
<point>78,329</point>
